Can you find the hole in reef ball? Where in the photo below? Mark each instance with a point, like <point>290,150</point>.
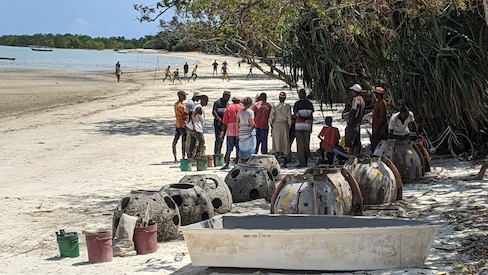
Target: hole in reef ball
<point>125,202</point>
<point>275,172</point>
<point>235,173</point>
<point>178,199</point>
<point>182,186</point>
<point>216,203</point>
<point>169,202</point>
<point>254,194</point>
<point>205,216</point>
<point>176,220</point>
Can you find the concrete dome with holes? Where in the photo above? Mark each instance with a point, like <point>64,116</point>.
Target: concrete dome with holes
<point>249,182</point>
<point>160,208</point>
<point>269,162</point>
<point>192,201</point>
<point>216,189</point>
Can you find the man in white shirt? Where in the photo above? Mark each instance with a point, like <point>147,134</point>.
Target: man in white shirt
<point>401,123</point>
<point>196,125</point>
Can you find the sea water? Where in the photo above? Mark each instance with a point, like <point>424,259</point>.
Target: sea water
<point>85,60</point>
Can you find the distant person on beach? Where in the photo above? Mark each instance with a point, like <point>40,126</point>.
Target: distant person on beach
<point>262,110</point>
<point>193,74</point>
<point>181,115</point>
<point>118,71</point>
<point>225,73</point>
<point>225,63</point>
<point>280,121</point>
<point>250,72</point>
<point>185,69</point>
<point>239,64</point>
<point>230,130</point>
<point>246,129</point>
<point>196,125</point>
<point>176,75</point>
<point>215,66</point>
<point>167,74</point>
<point>218,111</point>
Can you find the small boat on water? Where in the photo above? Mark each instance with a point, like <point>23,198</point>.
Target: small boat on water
<point>41,49</point>
<point>7,58</point>
<point>310,242</point>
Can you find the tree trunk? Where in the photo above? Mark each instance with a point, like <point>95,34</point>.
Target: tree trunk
<point>483,169</point>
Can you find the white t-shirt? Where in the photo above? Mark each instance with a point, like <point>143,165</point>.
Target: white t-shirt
<point>198,121</point>
<point>245,117</point>
<point>190,105</point>
<point>399,128</point>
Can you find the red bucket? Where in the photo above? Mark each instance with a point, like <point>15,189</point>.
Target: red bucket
<point>210,160</point>
<point>99,247</point>
<point>146,239</point>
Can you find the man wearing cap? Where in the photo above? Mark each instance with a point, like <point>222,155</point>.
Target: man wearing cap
<point>379,127</point>
<point>230,128</point>
<point>181,122</point>
<point>303,112</point>
<point>196,125</point>
<point>280,121</point>
<point>353,128</point>
<point>190,107</point>
<point>218,110</point>
<point>261,110</point>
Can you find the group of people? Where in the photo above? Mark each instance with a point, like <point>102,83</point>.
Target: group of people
<point>175,75</point>
<point>397,127</point>
<point>245,125</point>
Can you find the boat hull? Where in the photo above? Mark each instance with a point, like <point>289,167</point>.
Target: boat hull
<point>309,242</point>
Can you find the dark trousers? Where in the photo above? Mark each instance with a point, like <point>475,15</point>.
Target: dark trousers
<point>303,147</point>
<point>180,132</point>
<point>262,139</point>
<point>201,142</point>
<point>218,140</point>
<point>375,139</point>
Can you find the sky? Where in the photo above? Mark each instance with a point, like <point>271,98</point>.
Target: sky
<point>96,18</point>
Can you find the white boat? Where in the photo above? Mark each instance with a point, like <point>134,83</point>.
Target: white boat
<point>309,242</point>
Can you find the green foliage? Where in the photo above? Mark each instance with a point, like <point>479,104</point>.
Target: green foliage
<point>69,41</point>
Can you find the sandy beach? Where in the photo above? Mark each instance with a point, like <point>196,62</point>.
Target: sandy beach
<point>73,144</point>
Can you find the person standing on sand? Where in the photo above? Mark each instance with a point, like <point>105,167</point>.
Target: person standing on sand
<point>280,121</point>
<point>261,110</point>
<point>185,69</point>
<point>193,74</point>
<point>225,73</point>
<point>215,66</point>
<point>245,127</point>
<point>176,75</point>
<point>190,107</point>
<point>118,71</point>
<point>353,128</point>
<point>181,115</point>
<point>196,125</point>
<point>167,74</point>
<point>379,127</point>
<point>218,111</point>
<point>303,112</point>
<point>230,130</point>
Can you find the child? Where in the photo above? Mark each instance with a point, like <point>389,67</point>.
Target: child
<point>329,143</point>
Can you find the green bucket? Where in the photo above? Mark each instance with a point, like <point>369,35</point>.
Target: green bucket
<point>202,164</point>
<point>185,164</point>
<point>218,160</point>
<point>68,245</point>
